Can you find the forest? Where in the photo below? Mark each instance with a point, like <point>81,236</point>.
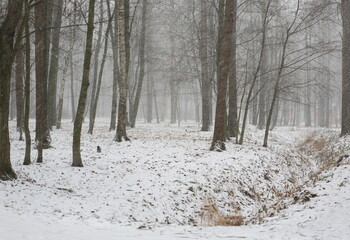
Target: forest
<point>167,119</point>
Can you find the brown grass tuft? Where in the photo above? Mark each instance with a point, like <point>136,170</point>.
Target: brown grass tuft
<point>211,216</point>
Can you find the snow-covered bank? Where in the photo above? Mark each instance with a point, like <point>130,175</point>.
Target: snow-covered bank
<point>323,217</point>
<point>166,175</point>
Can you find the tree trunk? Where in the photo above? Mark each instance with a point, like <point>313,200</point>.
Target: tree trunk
<point>94,79</point>
<point>78,122</point>
<point>307,107</point>
<point>204,67</point>
<point>123,89</point>
<point>255,77</point>
<point>61,93</point>
<point>232,125</point>
<point>94,108</point>
<point>155,101</point>
<point>276,89</point>
<point>173,83</point>
<point>72,87</point>
<point>41,60</point>
<point>19,91</point>
<point>255,110</point>
<point>149,99</point>
<point>225,46</point>
<point>114,40</point>
<point>55,51</point>
<point>27,157</point>
<point>322,109</point>
<point>173,100</point>
<point>136,101</point>
<point>262,93</point>
<point>7,49</point>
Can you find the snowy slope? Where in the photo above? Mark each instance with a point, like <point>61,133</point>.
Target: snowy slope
<point>166,175</point>
<point>323,217</point>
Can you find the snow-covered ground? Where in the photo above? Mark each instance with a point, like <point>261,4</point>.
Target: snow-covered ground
<point>323,217</point>
<point>167,183</point>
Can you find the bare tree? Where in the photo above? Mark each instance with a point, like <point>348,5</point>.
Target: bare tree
<point>99,81</point>
<point>232,125</point>
<point>135,102</point>
<point>27,156</point>
<point>123,59</point>
<point>7,48</point>
<point>78,122</point>
<point>19,91</point>
<point>225,46</point>
<point>203,52</point>
<point>55,51</point>
<point>95,73</point>
<point>114,42</point>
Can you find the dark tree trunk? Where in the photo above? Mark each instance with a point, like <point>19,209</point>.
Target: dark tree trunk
<point>232,125</point>
<point>265,22</point>
<point>127,33</point>
<point>95,74</point>
<point>27,157</point>
<point>274,101</point>
<point>204,67</point>
<point>7,49</point>
<point>136,101</point>
<point>123,89</point>
<point>255,110</point>
<point>73,32</point>
<point>19,91</point>
<point>55,51</point>
<point>41,60</point>
<point>94,107</point>
<point>225,46</point>
<point>78,122</point>
<point>114,41</point>
<point>262,93</point>
<point>72,87</point>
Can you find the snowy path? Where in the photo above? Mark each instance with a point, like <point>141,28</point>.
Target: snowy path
<point>324,217</point>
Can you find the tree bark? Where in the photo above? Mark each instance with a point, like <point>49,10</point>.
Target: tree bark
<point>19,91</point>
<point>114,40</point>
<point>262,93</point>
<point>149,99</point>
<point>203,52</point>
<point>95,74</point>
<point>7,49</point>
<point>78,122</point>
<point>225,46</point>
<point>41,60</point>
<point>136,101</point>
<point>173,83</point>
<point>99,83</point>
<point>61,92</point>
<point>255,77</point>
<point>155,101</point>
<point>27,157</point>
<point>232,125</point>
<point>123,89</point>
<point>55,51</point>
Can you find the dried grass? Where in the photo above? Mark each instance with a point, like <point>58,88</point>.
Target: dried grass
<point>211,216</point>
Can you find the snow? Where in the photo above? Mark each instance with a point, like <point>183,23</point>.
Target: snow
<point>165,180</point>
